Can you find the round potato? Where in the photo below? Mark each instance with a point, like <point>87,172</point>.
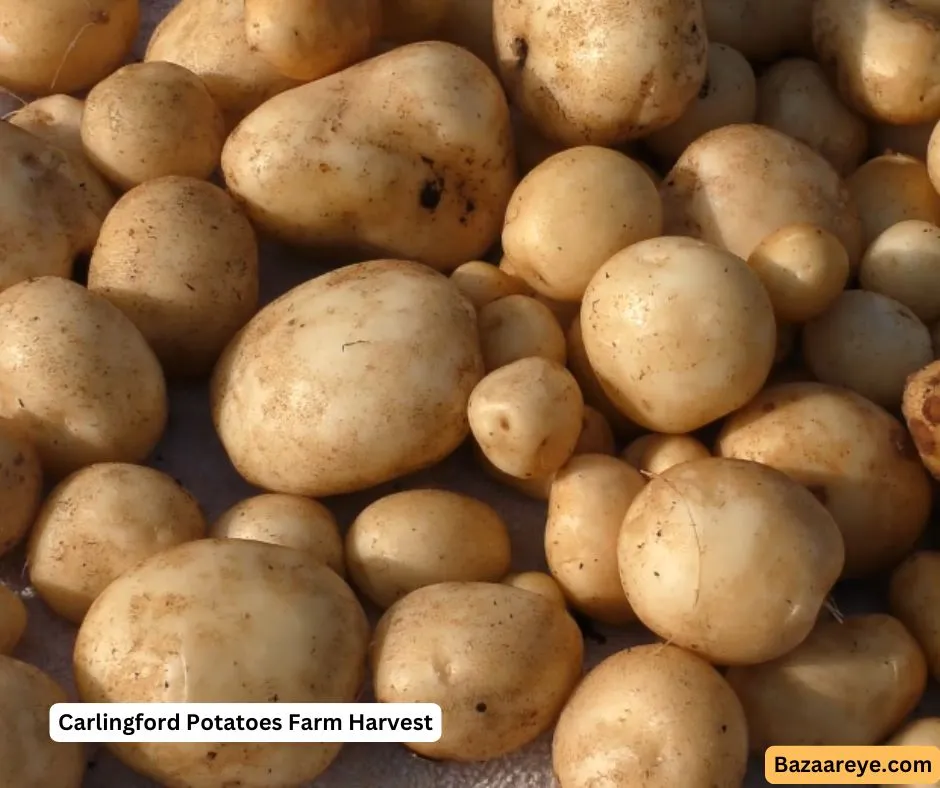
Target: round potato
<point>349,380</point>
<point>915,600</point>
<point>517,327</point>
<point>503,662</point>
<point>537,583</point>
<point>684,725</point>
<point>924,732</point>
<point>850,683</point>
<point>761,30</point>
<point>696,341</point>
<point>484,283</point>
<point>920,407</point>
<point>656,453</point>
<point>852,455</point>
<point>21,482</point>
<point>13,618</point>
<point>909,140</point>
<point>703,530</point>
<point>164,632</point>
<point>98,523</point>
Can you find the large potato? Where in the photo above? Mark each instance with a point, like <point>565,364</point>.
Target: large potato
<point>13,619</point>
<point>21,481</point>
<point>224,621</point>
<point>408,154</point>
<point>761,30</point>
<point>348,380</point>
<point>914,597</point>
<point>603,72</point>
<point>679,332</point>
<point>853,455</point>
<point>500,661</point>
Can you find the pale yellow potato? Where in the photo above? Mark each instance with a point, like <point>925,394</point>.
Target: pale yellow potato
<point>853,455</point>
<point>30,758</point>
<point>21,483</point>
<point>537,583</point>
<point>527,417</point>
<point>13,619</point>
<point>149,120</point>
<point>500,661</point>
<point>728,558</point>
<point>572,212</point>
<point>469,23</point>
<point>728,95</point>
<point>588,501</point>
<point>408,154</point>
<point>803,268</point>
<point>288,520</point>
<point>736,185</point>
<point>57,119</point>
<point>517,327</point>
<point>64,46</point>
<point>657,452</point>
<point>762,30</point>
<point>868,343</point>
<point>679,332</point>
<point>314,38</point>
<point>224,621</point>
<point>914,598</point>
<point>849,683</point>
<point>920,407</point>
<point>604,72</point>
<point>684,725</point>
<point>406,21</point>
<point>923,732</point>
<point>910,140</point>
<point>178,257</point>
<point>76,377</point>
<point>368,369</point>
<point>483,282</point>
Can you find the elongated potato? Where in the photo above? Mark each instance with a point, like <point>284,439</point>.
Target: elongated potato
<point>915,599</point>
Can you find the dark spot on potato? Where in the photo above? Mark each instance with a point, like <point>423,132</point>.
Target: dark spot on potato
<point>520,50</point>
<point>819,492</point>
<point>705,89</point>
<point>430,196</point>
<point>931,409</point>
<point>211,756</point>
<point>768,407</point>
<point>481,707</point>
<point>923,437</point>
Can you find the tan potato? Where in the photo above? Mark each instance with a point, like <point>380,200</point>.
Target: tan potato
<point>537,583</point>
<point>64,46</point>
<point>924,732</point>
<point>762,30</point>
<point>920,407</point>
<point>332,179</point>
<point>915,600</point>
<point>371,365</point>
<point>678,359</point>
<point>571,213</point>
<point>187,297</point>
<point>57,119</point>
<point>483,283</point>
<point>21,482</point>
<point>689,728</point>
<point>517,327</point>
<point>736,185</point>
<point>273,626</point>
<point>13,618</point>
<point>869,343</point>
<point>469,23</point>
<point>583,74</point>
<point>89,390</point>
<point>588,501</point>
<point>853,455</point>
<point>406,21</point>
<point>909,140</point>
<point>288,520</point>
<point>503,662</point>
<point>656,453</point>
<point>849,683</point>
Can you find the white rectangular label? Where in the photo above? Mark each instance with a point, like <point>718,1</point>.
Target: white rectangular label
<point>241,723</point>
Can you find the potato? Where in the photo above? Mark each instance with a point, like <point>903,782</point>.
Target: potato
<point>517,327</point>
<point>586,74</point>
<point>738,184</point>
<point>676,359</point>
<point>406,21</point>
<point>849,683</point>
<point>794,96</point>
<point>349,380</point>
<point>288,520</point>
<point>803,268</point>
<point>589,498</point>
<point>728,95</point>
<point>915,600</point>
<point>762,30</point>
<point>910,140</point>
<point>869,343</point>
<point>571,213</point>
<point>188,297</point>
<point>933,159</point>
<point>853,455</point>
<point>500,662</point>
<point>100,522</point>
<point>13,618</point>
<point>537,583</point>
<point>683,724</point>
<point>527,417</point>
<point>21,481</point>
<point>656,452</point>
<point>702,531</point>
<point>924,732</point>
<point>57,119</point>
<point>76,377</point>
<point>164,632</point>
<point>30,758</point>
<point>315,38</point>
<point>64,46</point>
<point>333,179</point>
<point>920,407</point>
<point>483,282</point>
<point>148,120</point>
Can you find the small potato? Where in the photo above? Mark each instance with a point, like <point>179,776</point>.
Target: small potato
<point>804,269</point>
<point>500,662</point>
<point>12,620</point>
<point>483,283</point>
<point>417,538</point>
<point>849,683</point>
<point>30,758</point>
<point>537,583</point>
<point>700,533</point>
<point>288,520</point>
<point>869,343</point>
<point>187,297</point>
<point>656,453</point>
<point>762,30</point>
<point>571,213</point>
<point>924,732</point>
<point>909,140</point>
<point>21,481</point>
<point>589,498</point>
<point>148,120</point>
<point>684,726</point>
<point>517,327</point>
<point>527,417</point>
<point>914,597</point>
<point>920,407</point>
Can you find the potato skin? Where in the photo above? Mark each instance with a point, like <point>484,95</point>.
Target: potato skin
<point>13,619</point>
<point>903,263</point>
<point>21,480</point>
<point>914,596</point>
<point>921,410</point>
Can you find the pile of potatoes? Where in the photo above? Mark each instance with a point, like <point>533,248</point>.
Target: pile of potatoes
<point>667,270</point>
